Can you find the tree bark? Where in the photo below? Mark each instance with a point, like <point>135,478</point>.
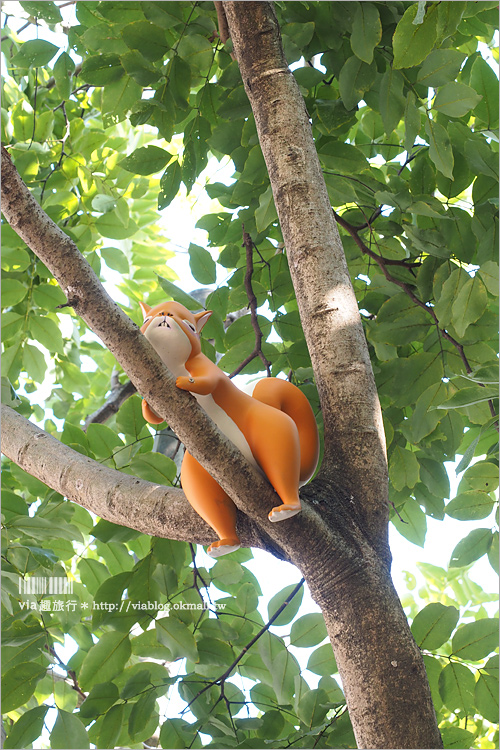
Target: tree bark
<point>381,667</point>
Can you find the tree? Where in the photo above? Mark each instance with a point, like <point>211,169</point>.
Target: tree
<point>400,107</point>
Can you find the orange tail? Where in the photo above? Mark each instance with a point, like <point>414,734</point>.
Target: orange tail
<point>286,397</point>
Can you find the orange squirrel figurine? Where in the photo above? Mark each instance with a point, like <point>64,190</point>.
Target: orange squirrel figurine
<point>275,428</point>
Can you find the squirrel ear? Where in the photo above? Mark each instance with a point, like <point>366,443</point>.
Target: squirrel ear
<point>201,318</point>
<point>146,309</point>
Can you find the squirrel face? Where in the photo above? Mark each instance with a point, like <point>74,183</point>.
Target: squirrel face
<point>173,331</point>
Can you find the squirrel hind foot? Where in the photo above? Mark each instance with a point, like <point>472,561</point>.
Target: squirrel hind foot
<point>282,512</point>
<point>223,547</point>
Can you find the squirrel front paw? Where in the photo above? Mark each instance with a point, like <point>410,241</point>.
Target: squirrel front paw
<point>184,383</point>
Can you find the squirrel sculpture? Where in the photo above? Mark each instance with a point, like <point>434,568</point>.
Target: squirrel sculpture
<point>274,428</point>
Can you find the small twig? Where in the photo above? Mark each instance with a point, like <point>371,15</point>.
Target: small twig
<point>382,262</point>
<point>119,394</point>
<point>223,25</point>
<point>397,513</point>
<point>220,680</point>
<point>252,299</point>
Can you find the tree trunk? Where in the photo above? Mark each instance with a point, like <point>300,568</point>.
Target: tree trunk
<point>381,667</point>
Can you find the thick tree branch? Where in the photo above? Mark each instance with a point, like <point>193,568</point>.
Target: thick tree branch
<point>112,495</point>
<point>354,437</point>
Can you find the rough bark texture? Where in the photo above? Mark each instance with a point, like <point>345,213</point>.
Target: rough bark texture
<point>380,665</point>
<point>339,541</point>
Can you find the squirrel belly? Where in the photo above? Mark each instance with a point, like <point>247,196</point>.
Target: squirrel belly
<point>275,428</point>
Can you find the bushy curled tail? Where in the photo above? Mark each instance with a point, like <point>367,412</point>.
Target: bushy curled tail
<point>289,399</point>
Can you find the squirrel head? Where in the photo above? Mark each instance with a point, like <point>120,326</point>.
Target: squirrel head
<point>173,330</point>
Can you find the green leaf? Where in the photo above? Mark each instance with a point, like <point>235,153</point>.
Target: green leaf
<point>475,640</point>
<point>180,81</point>
<point>101,697</point>
<point>484,81</point>
<point>441,67</point>
<point>19,684</point>
<point>214,651</point>
<point>169,185</point>
<point>146,160</point>
<point>13,292</point>
<point>92,574</point>
<point>412,42</point>
<point>178,733</point>
<point>483,476</point>
<point>102,440</point>
<point>485,697</point>
<point>454,737</point>
<point>101,69</point>
<point>48,296</point>
<point>342,157</point>
<point>470,506</point>
<point>468,397</point>
<point>46,332</point>
<point>489,275</point>
<point>355,78</point>
<point>313,707</point>
<point>202,264</point>
<point>412,524</point>
<point>35,53</point>
<point>322,661</point>
<point>456,687</point>
<point>392,99</point>
<point>63,70</point>
<point>154,467</point>
<point>455,99</point>
<point>34,362</point>
<point>471,548</point>
<point>440,149</point>
<point>177,637</point>
<point>366,31</point>
<point>115,259</point>
<point>112,226</point>
<point>111,726</point>
<point>47,11</point>
<point>285,669</point>
<point>141,713</point>
<point>68,732</point>
<point>197,51</point>
<point>290,610</point>
<point>118,100</point>
<point>105,660</point>
<point>469,305</point>
<point>434,625</point>
<point>266,213</point>
<point>173,292</point>
<point>308,630</point>
<point>404,469</point>
<point>27,728</point>
<point>146,37</point>
<point>412,121</point>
